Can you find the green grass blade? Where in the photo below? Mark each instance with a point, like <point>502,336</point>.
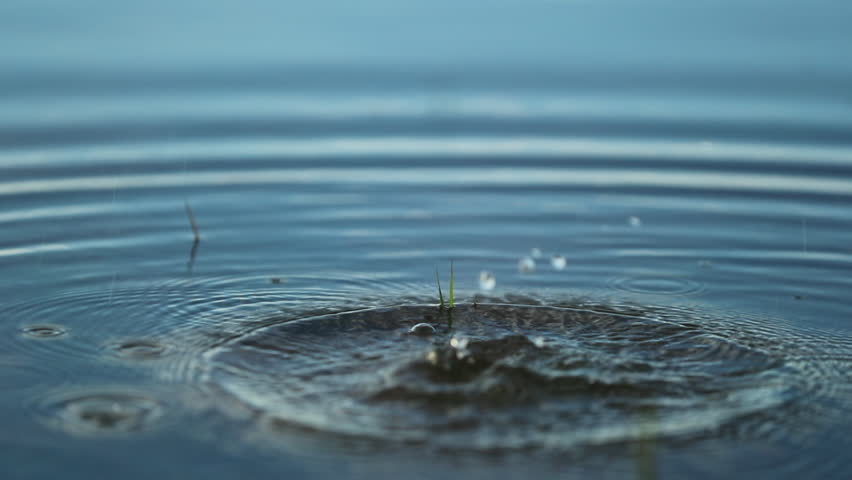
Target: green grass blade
<point>440,293</point>
<point>452,286</point>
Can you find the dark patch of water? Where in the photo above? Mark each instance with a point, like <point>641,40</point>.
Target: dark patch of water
<point>510,376</point>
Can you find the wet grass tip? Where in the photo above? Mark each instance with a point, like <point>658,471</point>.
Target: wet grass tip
<point>451,300</point>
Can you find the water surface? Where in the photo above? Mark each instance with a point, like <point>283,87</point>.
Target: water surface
<point>691,164</point>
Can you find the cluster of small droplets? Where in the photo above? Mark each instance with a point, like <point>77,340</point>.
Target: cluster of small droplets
<point>528,264</point>
<point>487,281</point>
<point>460,344</point>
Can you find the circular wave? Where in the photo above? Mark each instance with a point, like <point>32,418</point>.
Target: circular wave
<point>43,331</point>
<point>511,376</point>
<point>103,412</point>
<point>86,334</point>
<point>140,349</point>
<point>656,285</point>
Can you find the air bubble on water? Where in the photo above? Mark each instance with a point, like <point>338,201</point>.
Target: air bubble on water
<point>422,330</point>
<point>634,221</point>
<point>539,342</point>
<point>558,262</point>
<point>535,253</point>
<point>526,265</point>
<point>487,281</point>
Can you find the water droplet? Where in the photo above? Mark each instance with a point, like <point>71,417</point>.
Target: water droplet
<point>422,330</point>
<point>526,265</point>
<point>487,281</point>
<point>634,221</point>
<point>558,262</point>
<point>139,349</point>
<point>535,253</point>
<point>43,331</point>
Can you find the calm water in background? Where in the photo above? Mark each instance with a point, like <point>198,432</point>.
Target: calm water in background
<point>683,158</point>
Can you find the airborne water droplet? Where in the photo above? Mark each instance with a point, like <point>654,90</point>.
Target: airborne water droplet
<point>487,281</point>
<point>558,262</point>
<point>526,265</point>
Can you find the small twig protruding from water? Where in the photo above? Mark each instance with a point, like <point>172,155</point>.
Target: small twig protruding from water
<point>196,236</point>
<point>192,222</point>
<point>440,293</point>
<point>192,253</point>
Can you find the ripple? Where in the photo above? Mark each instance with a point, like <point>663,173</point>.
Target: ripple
<point>711,179</point>
<point>104,413</point>
<point>166,323</point>
<point>304,175</point>
<point>140,349</point>
<point>43,331</point>
<point>657,285</point>
<point>422,330</point>
<point>515,377</point>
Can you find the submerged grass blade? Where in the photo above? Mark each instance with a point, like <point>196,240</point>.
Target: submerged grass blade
<point>452,286</point>
<point>440,293</point>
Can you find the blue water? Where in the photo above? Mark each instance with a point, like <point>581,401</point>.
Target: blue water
<point>691,162</point>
